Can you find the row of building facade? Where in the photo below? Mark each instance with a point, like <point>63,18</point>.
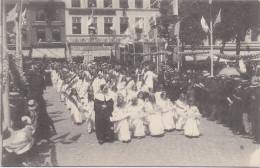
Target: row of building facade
<point>64,28</point>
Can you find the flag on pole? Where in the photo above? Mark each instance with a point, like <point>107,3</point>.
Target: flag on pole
<point>171,30</point>
<point>140,24</point>
<point>113,28</point>
<point>12,14</point>
<point>152,21</point>
<point>177,28</point>
<point>210,2</point>
<point>112,58</point>
<point>24,17</point>
<point>127,32</point>
<point>18,10</point>
<point>175,7</point>
<point>154,4</point>
<point>151,34</point>
<point>90,20</point>
<point>218,19</point>
<point>204,24</point>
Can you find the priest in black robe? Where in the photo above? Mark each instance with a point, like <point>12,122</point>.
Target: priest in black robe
<point>103,107</point>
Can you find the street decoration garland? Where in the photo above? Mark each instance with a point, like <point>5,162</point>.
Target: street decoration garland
<point>193,53</point>
<point>182,54</point>
<point>246,57</point>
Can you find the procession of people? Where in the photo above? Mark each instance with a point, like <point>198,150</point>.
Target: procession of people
<point>134,102</point>
<point>121,103</point>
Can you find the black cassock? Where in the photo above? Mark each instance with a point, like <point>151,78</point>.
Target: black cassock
<point>104,128</point>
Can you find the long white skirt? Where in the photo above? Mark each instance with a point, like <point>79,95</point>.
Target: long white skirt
<point>180,123</point>
<point>122,130</point>
<point>168,121</point>
<point>76,115</point>
<point>155,124</point>
<point>62,96</point>
<point>191,127</point>
<point>137,126</point>
<point>90,121</point>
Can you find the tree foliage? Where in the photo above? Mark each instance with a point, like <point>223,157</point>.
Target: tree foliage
<point>165,19</point>
<point>190,13</point>
<point>236,18</point>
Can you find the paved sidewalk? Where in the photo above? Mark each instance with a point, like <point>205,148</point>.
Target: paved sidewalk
<point>73,146</point>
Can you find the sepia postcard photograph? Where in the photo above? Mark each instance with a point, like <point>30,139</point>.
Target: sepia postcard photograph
<point>130,83</point>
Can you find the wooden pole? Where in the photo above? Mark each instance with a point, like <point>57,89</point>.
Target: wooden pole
<point>20,40</point>
<point>178,52</point>
<point>134,54</point>
<point>5,75</point>
<point>6,109</point>
<point>211,44</point>
<point>156,42</point>
<point>1,79</point>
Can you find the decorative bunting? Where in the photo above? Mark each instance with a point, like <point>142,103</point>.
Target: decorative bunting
<point>243,57</point>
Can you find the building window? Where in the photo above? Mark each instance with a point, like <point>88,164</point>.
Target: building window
<point>76,25</point>
<point>92,29</point>
<point>40,15</point>
<point>108,4</point>
<point>57,15</point>
<point>41,37</point>
<point>92,3</point>
<point>138,3</point>
<point>123,3</point>
<point>108,23</point>
<point>56,37</point>
<point>75,3</point>
<point>123,24</point>
<point>254,35</point>
<point>139,25</point>
<point>154,3</point>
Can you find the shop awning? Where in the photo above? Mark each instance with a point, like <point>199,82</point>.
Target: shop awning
<point>102,53</point>
<point>49,52</point>
<point>204,57</point>
<point>25,52</point>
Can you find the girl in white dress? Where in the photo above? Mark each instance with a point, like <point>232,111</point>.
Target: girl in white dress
<point>193,120</point>
<point>90,113</point>
<point>120,119</point>
<point>180,109</point>
<point>166,108</point>
<point>158,93</point>
<point>140,99</point>
<point>132,93</point>
<point>121,86</point>
<point>75,105</point>
<point>62,91</point>
<point>136,119</point>
<point>154,118</point>
<point>114,93</point>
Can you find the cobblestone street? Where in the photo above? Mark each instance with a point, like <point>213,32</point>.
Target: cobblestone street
<point>75,147</point>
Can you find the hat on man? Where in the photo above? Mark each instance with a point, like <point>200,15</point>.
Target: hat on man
<point>254,85</point>
<point>26,120</point>
<point>32,104</point>
<point>206,74</point>
<point>236,78</point>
